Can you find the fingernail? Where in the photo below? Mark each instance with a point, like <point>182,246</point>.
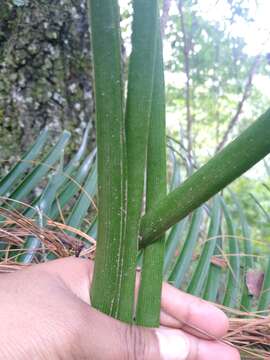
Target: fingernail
<point>173,344</point>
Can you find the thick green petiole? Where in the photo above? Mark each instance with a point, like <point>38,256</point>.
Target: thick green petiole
<point>104,15</point>
<point>138,109</point>
<point>148,307</point>
<point>239,156</point>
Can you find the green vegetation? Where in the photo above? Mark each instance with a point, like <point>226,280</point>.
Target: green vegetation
<point>146,202</point>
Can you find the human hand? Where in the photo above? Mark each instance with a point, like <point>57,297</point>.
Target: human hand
<point>45,314</point>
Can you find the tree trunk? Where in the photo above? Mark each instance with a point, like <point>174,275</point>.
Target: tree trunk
<point>45,71</point>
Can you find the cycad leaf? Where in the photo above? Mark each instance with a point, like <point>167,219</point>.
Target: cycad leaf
<point>264,300</point>
<point>86,198</point>
<point>246,300</point>
<point>176,174</point>
<point>176,233</point>
<point>30,182</point>
<point>92,229</point>
<point>172,244</point>
<point>75,160</point>
<point>233,281</point>
<point>33,243</point>
<point>200,273</point>
<point>260,206</point>
<point>70,189</point>
<point>184,260</point>
<point>214,275</point>
<point>23,165</point>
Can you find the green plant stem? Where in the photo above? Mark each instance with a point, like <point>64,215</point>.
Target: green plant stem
<point>138,110</point>
<point>104,19</point>
<point>148,307</point>
<point>235,159</point>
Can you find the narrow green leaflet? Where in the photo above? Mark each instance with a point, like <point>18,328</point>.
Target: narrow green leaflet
<point>201,271</point>
<point>264,300</point>
<point>30,182</point>
<point>172,244</point>
<point>33,243</point>
<point>214,277</point>
<point>24,164</point>
<point>85,200</point>
<point>232,291</point>
<point>184,260</point>
<point>177,232</point>
<point>246,301</point>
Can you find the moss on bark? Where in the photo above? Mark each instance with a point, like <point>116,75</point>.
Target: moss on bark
<point>45,72</point>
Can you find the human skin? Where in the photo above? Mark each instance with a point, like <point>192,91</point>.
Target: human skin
<point>45,313</point>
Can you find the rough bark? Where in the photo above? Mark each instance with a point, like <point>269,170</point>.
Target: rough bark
<point>45,71</point>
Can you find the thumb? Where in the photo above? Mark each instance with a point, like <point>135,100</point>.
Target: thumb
<point>107,338</point>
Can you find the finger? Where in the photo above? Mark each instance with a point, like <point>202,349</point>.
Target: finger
<point>195,349</point>
<point>191,314</point>
<point>75,273</point>
<point>178,308</point>
<point>102,337</point>
<point>169,321</point>
<point>133,342</point>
